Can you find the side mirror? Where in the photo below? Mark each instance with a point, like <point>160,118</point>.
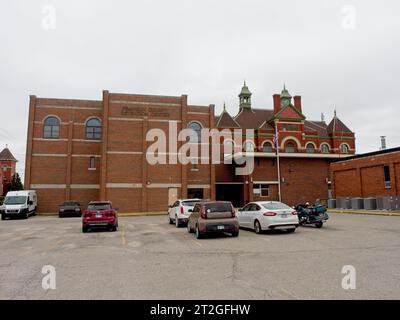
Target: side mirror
<point>240,210</point>
<point>190,210</point>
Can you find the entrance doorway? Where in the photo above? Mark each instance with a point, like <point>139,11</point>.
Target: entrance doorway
<point>230,192</point>
<point>195,193</point>
<point>172,195</point>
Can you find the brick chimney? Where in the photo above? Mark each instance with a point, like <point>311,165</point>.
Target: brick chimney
<point>297,103</point>
<point>277,103</point>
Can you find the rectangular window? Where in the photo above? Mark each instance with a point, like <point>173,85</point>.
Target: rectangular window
<point>290,127</point>
<point>261,190</point>
<point>92,163</point>
<point>386,173</point>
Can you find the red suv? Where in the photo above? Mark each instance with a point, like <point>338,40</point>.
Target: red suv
<point>100,214</point>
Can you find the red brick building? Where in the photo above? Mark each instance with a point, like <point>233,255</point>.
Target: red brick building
<point>7,169</point>
<point>90,150</point>
<point>306,149</point>
<point>374,174</point>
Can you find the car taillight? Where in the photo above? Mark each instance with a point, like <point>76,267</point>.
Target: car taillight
<point>233,214</point>
<point>109,214</point>
<point>182,210</point>
<point>87,214</point>
<point>203,214</point>
<point>294,213</point>
<point>269,214</point>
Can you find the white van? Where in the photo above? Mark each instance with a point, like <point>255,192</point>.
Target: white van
<point>20,204</point>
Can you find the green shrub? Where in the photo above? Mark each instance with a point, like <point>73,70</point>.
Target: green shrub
<point>1,200</point>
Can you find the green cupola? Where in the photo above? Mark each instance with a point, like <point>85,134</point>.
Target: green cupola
<point>245,98</point>
<point>286,98</point>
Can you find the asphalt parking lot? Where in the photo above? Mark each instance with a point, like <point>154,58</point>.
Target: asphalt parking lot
<point>150,259</point>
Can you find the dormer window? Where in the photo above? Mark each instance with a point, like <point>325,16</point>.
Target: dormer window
<point>248,146</point>
<point>290,147</point>
<point>310,148</point>
<point>344,148</point>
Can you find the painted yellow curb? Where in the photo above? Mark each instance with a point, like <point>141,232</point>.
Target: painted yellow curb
<point>371,213</point>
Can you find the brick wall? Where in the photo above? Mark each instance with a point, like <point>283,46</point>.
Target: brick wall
<point>59,169</point>
<point>364,177</point>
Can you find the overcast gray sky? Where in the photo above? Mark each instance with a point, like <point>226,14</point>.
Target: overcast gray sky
<point>331,52</point>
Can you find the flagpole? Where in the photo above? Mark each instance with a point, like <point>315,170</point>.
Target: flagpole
<point>278,162</point>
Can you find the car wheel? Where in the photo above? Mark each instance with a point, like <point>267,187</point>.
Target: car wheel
<point>177,223</point>
<point>198,234</point>
<point>257,227</point>
<point>114,228</point>
<point>319,225</point>
<point>291,230</point>
<point>170,220</point>
<point>84,229</point>
<point>188,228</point>
<point>235,234</point>
<point>26,216</point>
<point>3,217</point>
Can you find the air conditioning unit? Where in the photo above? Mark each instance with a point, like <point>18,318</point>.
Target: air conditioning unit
<point>332,203</point>
<point>343,203</point>
<point>357,203</point>
<point>370,203</point>
<point>397,203</point>
<point>386,203</point>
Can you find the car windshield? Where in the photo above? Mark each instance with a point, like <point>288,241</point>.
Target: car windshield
<point>15,200</point>
<point>71,203</point>
<point>275,206</point>
<point>189,203</point>
<point>219,207</point>
<point>99,206</point>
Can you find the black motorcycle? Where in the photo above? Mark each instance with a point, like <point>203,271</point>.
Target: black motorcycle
<point>309,215</point>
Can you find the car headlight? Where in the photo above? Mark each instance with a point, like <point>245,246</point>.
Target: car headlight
<point>77,209</point>
<point>61,209</point>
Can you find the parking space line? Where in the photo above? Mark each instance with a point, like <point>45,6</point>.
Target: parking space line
<point>196,242</point>
<point>265,239</point>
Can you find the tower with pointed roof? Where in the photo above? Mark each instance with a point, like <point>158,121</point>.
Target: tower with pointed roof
<point>286,98</point>
<point>8,167</point>
<point>245,98</point>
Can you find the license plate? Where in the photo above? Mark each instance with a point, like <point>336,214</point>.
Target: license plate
<point>99,215</point>
<point>283,215</point>
<point>220,227</point>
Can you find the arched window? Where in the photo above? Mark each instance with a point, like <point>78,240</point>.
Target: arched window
<point>267,147</point>
<point>229,147</point>
<point>249,146</point>
<point>290,147</point>
<point>51,128</point>
<point>310,148</point>
<point>93,129</point>
<point>325,148</point>
<point>344,148</point>
<point>195,134</point>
